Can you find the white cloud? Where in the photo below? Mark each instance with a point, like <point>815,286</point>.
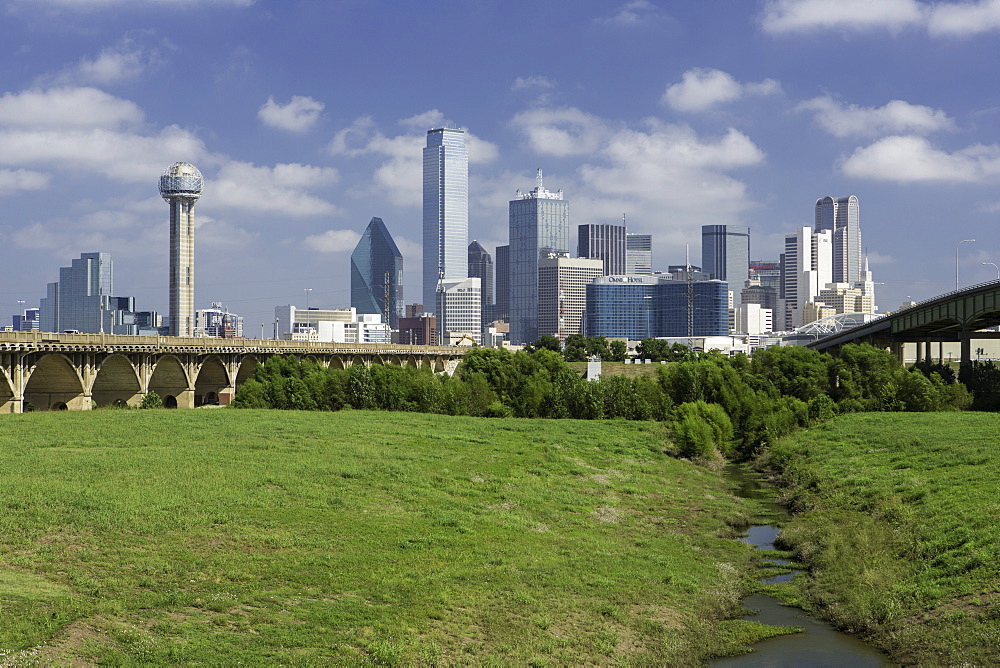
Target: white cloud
<point>427,121</point>
<point>67,107</point>
<point>281,189</point>
<point>120,156</point>
<point>299,115</point>
<point>86,5</point>
<point>896,117</point>
<point>964,18</point>
<point>633,13</point>
<point>332,241</point>
<point>561,131</point>
<point>940,19</point>
<point>129,59</point>
<point>661,175</point>
<point>400,176</point>
<point>537,81</point>
<point>790,16</point>
<point>701,89</point>
<point>12,181</point>
<point>910,159</point>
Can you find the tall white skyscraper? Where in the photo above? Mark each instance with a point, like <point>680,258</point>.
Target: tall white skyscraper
<point>808,269</point>
<point>446,210</point>
<point>181,187</point>
<point>538,227</point>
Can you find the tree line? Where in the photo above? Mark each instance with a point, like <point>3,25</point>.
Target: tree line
<point>713,404</point>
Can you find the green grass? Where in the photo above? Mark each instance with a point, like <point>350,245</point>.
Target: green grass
<point>219,537</point>
<point>900,531</point>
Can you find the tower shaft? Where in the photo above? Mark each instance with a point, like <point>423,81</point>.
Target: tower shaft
<point>181,266</point>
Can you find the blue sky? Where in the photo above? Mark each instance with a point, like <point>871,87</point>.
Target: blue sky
<point>307,118</point>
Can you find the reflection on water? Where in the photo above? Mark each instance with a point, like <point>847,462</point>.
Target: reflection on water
<point>819,644</point>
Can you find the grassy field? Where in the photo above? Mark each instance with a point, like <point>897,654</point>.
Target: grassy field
<point>225,537</point>
<point>901,533</point>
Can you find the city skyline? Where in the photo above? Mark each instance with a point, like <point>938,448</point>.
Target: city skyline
<point>100,96</point>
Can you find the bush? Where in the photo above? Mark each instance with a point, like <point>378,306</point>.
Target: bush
<point>151,400</point>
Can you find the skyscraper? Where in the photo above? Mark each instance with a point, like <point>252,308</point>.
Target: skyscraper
<point>637,307</point>
<point>458,312</point>
<point>82,299</point>
<point>562,293</point>
<point>539,226</point>
<point>181,186</point>
<point>725,254</point>
<point>446,209</point>
<point>638,254</point>
<point>603,242</point>
<point>502,267</point>
<point>377,273</point>
<point>808,268</point>
<point>481,267</point>
<point>841,216</point>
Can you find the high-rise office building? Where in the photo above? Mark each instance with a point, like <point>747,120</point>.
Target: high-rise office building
<point>725,255</point>
<point>603,242</point>
<point>502,268</point>
<point>181,186</point>
<point>458,312</point>
<point>638,307</point>
<point>377,273</point>
<point>841,216</point>
<point>446,209</point>
<point>562,293</point>
<point>808,268</point>
<point>481,267</point>
<point>638,254</point>
<point>82,300</point>
<point>539,226</point>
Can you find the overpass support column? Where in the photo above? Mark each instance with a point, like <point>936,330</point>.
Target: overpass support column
<point>965,359</point>
<point>918,356</point>
<point>898,349</point>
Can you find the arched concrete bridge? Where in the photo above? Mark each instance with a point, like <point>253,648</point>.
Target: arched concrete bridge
<point>953,317</point>
<point>79,371</point>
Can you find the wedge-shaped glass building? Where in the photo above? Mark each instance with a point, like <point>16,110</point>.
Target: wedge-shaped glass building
<point>377,274</point>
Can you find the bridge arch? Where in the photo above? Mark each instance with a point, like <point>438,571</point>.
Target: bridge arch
<point>358,360</point>
<point>116,383</point>
<point>7,403</point>
<point>412,361</point>
<point>212,380</point>
<point>54,384</point>
<point>171,382</point>
<point>247,369</point>
<point>338,362</point>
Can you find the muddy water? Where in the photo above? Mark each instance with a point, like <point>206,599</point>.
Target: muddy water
<point>819,644</point>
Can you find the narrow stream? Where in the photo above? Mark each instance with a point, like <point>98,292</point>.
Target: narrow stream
<point>819,644</point>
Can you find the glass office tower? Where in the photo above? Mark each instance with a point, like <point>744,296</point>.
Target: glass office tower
<point>377,274</point>
<point>841,215</point>
<point>502,270</point>
<point>539,227</point>
<point>446,209</point>
<point>725,255</point>
<point>637,307</point>
<point>481,267</point>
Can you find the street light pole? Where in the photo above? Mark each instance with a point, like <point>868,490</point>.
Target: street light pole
<point>995,267</point>
<point>963,241</point>
<point>308,290</point>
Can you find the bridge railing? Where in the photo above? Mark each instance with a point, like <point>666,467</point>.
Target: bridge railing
<point>237,344</point>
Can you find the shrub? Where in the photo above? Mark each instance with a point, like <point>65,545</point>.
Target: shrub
<point>151,400</point>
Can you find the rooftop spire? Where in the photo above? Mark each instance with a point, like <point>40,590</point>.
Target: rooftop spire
<point>538,179</point>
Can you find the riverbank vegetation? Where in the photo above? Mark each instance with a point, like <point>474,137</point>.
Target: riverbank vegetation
<point>761,399</point>
<point>306,538</point>
<point>898,529</point>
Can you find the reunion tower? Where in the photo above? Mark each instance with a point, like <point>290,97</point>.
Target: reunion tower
<point>181,186</point>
